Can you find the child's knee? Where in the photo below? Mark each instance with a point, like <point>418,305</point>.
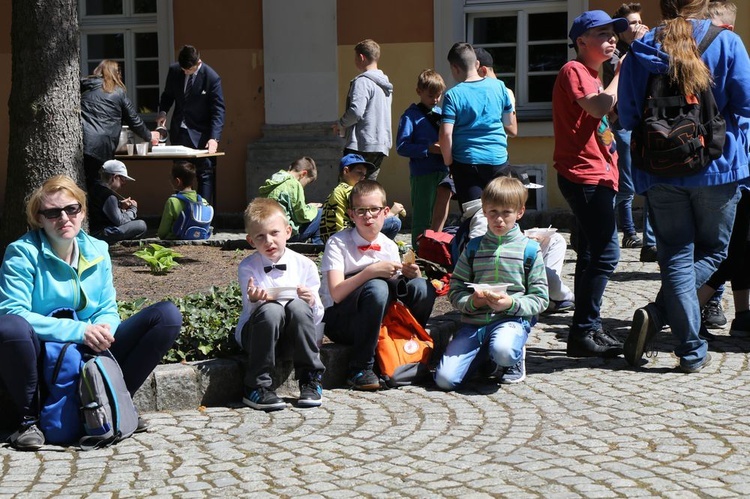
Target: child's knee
<point>445,381</point>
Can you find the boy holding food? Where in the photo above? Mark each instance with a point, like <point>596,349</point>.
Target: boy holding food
<point>496,321</point>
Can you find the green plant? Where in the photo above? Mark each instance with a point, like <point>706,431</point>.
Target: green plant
<point>159,259</point>
<point>208,322</point>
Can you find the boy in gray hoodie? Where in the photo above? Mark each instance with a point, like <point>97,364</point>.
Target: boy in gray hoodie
<point>366,123</point>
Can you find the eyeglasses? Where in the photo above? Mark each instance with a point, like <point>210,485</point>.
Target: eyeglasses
<point>54,213</point>
<point>374,211</point>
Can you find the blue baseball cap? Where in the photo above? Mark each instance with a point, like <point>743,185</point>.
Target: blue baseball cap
<point>355,159</point>
<point>594,19</point>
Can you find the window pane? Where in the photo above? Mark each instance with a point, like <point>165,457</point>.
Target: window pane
<point>540,88</point>
<point>503,59</point>
<point>148,100</point>
<point>495,30</point>
<point>144,7</point>
<point>548,57</point>
<point>146,45</point>
<point>103,7</point>
<point>105,47</point>
<point>551,26</point>
<point>510,81</point>
<point>147,73</point>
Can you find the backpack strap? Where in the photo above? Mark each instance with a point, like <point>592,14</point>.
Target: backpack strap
<point>711,34</point>
<point>529,256</point>
<point>471,249</point>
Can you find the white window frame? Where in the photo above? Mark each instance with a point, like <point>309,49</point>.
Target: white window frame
<point>128,23</point>
<point>538,175</point>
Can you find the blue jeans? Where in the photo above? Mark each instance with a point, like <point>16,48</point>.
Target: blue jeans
<point>692,227</point>
<point>626,190</point>
<point>649,239</point>
<point>501,342</point>
<point>391,227</point>
<point>598,251</point>
<point>356,319</point>
<point>309,230</point>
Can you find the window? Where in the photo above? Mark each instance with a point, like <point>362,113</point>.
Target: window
<point>134,33</point>
<point>537,175</point>
<point>529,44</point>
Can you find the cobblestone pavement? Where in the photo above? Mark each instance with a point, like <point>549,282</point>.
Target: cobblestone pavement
<point>575,428</point>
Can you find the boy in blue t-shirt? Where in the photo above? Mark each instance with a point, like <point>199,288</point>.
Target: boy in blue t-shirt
<point>417,139</point>
<point>478,117</point>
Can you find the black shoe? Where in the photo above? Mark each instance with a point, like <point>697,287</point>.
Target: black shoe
<point>696,367</point>
<point>27,437</point>
<point>594,343</point>
<point>642,334</point>
<point>713,315</point>
<point>631,241</point>
<point>741,324</point>
<point>648,254</point>
<point>364,380</point>
<point>263,399</point>
<point>311,390</point>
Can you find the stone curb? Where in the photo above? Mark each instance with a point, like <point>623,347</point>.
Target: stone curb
<point>219,382</point>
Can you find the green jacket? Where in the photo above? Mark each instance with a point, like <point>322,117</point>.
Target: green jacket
<point>172,209</point>
<point>287,190</point>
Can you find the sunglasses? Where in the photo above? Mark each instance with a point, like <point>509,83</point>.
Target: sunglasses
<point>54,213</point>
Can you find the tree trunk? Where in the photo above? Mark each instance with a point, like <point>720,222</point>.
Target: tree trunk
<point>44,105</point>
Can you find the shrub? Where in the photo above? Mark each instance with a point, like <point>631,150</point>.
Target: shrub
<point>159,259</point>
<point>208,322</point>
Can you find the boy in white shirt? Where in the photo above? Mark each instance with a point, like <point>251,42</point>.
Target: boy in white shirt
<point>271,316</point>
<point>362,275</point>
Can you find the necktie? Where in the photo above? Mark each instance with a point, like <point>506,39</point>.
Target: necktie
<point>189,85</point>
<point>269,268</point>
<point>374,247</point>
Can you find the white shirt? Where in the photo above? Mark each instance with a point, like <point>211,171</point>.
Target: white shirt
<point>342,253</point>
<point>300,271</point>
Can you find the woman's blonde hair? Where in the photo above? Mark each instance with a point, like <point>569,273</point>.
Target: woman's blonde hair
<point>51,186</point>
<point>686,69</point>
<point>109,72</point>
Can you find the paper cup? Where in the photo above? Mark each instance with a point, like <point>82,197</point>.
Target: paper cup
<point>142,149</point>
<point>130,148</point>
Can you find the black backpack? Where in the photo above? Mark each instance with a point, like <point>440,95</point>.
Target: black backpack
<point>678,135</point>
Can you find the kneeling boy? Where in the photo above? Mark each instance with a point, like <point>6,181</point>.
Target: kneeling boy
<point>362,275</point>
<point>271,322</point>
<point>495,326</point>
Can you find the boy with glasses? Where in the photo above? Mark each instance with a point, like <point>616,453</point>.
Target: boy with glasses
<point>362,275</point>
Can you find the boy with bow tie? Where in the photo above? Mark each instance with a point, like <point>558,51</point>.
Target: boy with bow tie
<point>362,275</point>
<point>274,320</point>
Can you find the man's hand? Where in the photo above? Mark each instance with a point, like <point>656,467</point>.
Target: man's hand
<point>161,120</point>
<point>212,146</point>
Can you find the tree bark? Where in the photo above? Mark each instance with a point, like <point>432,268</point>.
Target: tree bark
<point>44,106</point>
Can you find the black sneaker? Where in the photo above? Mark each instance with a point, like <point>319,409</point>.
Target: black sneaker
<point>593,343</point>
<point>713,315</point>
<point>311,390</point>
<point>643,331</point>
<point>263,399</point>
<point>631,241</point>
<point>697,367</point>
<point>648,254</point>
<point>515,373</point>
<point>364,380</point>
<point>741,324</point>
<point>27,437</point>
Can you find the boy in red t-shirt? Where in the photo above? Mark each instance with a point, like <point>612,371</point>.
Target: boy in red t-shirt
<point>586,164</point>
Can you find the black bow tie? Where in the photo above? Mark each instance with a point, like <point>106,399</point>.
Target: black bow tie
<point>269,268</point>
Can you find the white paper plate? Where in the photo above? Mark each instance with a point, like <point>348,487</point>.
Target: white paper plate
<point>492,288</point>
<point>540,232</point>
<point>282,293</point>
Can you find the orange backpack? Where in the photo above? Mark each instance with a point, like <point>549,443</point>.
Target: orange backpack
<point>404,348</point>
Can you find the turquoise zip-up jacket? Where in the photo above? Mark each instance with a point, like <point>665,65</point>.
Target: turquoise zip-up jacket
<point>34,282</point>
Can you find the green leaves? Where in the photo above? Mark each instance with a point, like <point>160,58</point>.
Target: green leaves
<point>159,259</point>
<point>208,323</point>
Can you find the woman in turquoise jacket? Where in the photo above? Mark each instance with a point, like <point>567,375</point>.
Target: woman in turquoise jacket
<point>55,272</point>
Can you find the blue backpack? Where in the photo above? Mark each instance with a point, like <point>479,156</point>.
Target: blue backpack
<point>195,219</point>
<point>60,417</point>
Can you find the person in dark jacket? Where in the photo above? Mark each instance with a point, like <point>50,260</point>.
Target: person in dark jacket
<point>113,217</point>
<point>104,108</point>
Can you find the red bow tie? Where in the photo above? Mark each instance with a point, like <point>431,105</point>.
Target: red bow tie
<point>375,247</point>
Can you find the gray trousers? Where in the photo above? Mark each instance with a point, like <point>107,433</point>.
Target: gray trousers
<point>135,229</point>
<point>274,329</point>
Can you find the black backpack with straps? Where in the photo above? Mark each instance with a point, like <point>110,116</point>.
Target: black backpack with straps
<point>678,135</point>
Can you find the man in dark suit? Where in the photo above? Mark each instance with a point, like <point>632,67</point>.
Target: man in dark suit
<point>198,118</point>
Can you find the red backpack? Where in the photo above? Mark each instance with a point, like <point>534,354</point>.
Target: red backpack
<point>435,247</point>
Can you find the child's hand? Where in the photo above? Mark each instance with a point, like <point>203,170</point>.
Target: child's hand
<point>315,205</point>
<point>384,270</point>
<point>397,210</point>
<point>478,299</point>
<point>255,294</point>
<point>411,270</point>
<point>307,295</point>
<point>434,148</point>
<point>498,301</point>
